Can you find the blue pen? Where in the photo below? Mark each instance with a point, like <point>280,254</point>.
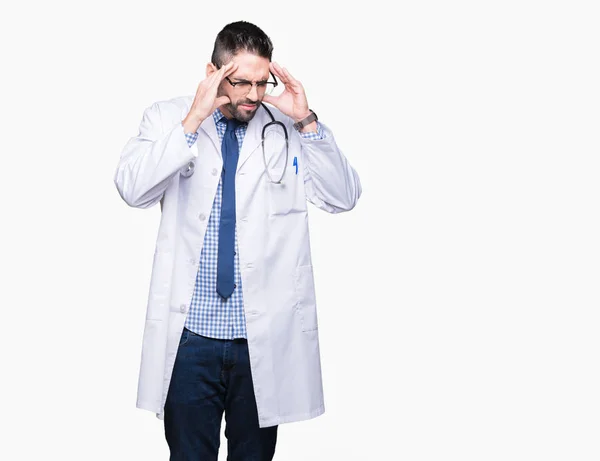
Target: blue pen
<point>296,164</point>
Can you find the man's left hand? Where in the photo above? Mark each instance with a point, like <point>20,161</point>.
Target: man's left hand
<point>292,102</point>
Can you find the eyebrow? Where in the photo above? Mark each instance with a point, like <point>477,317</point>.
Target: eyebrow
<point>246,80</point>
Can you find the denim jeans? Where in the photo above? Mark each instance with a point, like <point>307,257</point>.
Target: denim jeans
<point>212,376</point>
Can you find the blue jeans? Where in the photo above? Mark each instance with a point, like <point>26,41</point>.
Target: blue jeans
<point>212,376</point>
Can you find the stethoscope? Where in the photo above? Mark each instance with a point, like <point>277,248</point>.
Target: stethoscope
<point>189,168</point>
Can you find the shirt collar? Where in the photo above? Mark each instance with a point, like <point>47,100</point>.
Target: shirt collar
<point>218,115</point>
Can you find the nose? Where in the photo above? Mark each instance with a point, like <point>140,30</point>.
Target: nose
<point>253,94</point>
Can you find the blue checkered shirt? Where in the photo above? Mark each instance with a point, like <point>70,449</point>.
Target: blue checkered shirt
<point>211,315</point>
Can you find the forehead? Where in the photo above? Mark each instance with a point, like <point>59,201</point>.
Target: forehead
<point>250,66</point>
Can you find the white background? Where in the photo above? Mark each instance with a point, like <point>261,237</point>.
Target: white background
<point>458,302</point>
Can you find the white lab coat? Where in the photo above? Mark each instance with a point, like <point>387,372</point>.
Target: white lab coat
<point>273,246</point>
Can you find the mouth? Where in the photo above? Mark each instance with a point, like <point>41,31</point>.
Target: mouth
<point>248,106</point>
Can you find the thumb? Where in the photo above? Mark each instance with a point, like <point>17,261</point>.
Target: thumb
<point>221,100</point>
<point>270,99</point>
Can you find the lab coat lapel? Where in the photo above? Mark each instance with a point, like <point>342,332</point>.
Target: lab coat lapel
<point>209,127</point>
<point>252,139</point>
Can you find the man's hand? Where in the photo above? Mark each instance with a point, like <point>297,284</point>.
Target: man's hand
<point>292,102</point>
<point>206,100</point>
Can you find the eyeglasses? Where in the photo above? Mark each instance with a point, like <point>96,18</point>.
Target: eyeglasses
<point>244,86</point>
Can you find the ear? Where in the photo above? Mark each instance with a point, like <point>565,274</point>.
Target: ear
<point>210,68</point>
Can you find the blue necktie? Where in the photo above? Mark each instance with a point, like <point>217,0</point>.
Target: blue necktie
<point>230,152</point>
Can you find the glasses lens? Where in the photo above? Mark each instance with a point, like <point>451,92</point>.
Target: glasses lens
<point>243,87</point>
<point>262,88</point>
<point>265,88</point>
<point>269,87</point>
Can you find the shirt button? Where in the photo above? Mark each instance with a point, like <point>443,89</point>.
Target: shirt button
<point>234,285</point>
<point>214,172</point>
<point>245,219</point>
<point>182,308</point>
<point>249,266</point>
<point>201,217</point>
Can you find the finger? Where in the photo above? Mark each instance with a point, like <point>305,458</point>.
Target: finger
<point>221,73</point>
<point>208,81</point>
<point>289,77</point>
<point>284,78</point>
<point>273,66</point>
<point>287,74</point>
<point>290,82</point>
<point>279,73</point>
<point>216,78</point>
<point>214,73</point>
<point>295,84</point>
<point>227,66</point>
<point>228,69</point>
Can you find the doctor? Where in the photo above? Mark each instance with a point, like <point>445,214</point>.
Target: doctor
<point>231,324</point>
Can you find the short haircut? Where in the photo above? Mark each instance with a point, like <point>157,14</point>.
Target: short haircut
<point>240,36</point>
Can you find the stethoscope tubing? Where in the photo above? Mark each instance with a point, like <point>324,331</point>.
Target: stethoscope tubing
<point>271,123</point>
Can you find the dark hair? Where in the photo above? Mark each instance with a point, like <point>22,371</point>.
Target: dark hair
<point>240,36</point>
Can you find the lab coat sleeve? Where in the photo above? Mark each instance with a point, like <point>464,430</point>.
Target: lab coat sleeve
<point>150,160</point>
<point>330,182</point>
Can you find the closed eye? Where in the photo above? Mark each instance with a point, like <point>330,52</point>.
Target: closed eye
<point>245,82</point>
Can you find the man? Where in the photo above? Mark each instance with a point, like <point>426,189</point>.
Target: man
<point>231,324</point>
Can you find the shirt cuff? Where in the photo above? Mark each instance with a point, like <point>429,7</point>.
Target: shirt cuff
<point>311,134</point>
<point>191,138</point>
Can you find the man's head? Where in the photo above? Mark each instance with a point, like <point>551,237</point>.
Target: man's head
<point>249,47</point>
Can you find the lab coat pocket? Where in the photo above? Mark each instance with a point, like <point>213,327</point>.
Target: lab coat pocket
<point>305,297</point>
<point>284,197</point>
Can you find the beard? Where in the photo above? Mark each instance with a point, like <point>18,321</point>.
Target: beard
<point>243,115</point>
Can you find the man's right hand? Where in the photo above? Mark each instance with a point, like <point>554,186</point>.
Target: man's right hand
<point>206,100</point>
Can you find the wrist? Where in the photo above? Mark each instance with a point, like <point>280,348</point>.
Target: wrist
<point>307,123</point>
<point>312,126</point>
<point>191,123</point>
<point>298,119</point>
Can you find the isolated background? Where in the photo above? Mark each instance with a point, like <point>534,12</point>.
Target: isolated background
<point>458,302</point>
